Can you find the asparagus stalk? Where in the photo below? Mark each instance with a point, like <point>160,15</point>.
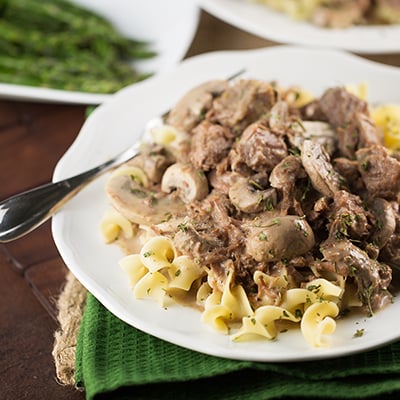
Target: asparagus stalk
<point>54,43</point>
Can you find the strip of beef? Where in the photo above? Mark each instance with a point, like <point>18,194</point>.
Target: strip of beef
<point>340,106</point>
<point>367,130</point>
<point>348,169</point>
<point>284,177</point>
<point>360,132</point>
<point>350,116</point>
<point>312,111</point>
<point>222,178</point>
<point>279,120</point>
<point>371,277</point>
<point>259,149</point>
<point>210,143</point>
<point>379,171</point>
<point>208,233</point>
<point>243,103</point>
<point>213,238</point>
<point>348,217</point>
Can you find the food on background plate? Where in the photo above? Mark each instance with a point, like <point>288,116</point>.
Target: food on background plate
<point>59,45</point>
<point>338,13</point>
<point>263,207</point>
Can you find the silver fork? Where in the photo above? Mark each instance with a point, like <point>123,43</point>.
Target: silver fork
<point>23,212</point>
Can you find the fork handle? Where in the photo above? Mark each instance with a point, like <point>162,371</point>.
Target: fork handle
<point>23,212</point>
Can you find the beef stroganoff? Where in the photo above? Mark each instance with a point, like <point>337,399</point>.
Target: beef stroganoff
<point>263,207</point>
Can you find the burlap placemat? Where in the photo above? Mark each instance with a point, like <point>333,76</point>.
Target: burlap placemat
<point>70,304</point>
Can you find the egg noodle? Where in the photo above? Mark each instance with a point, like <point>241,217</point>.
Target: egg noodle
<point>160,271</point>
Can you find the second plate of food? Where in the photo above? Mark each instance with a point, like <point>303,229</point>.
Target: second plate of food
<point>270,24</point>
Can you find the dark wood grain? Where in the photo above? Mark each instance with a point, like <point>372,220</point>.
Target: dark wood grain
<point>33,137</point>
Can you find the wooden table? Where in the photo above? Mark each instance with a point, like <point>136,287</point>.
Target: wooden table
<point>33,136</point>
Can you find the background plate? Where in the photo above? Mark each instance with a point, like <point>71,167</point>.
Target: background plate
<point>169,25</point>
<point>119,122</point>
<point>269,24</point>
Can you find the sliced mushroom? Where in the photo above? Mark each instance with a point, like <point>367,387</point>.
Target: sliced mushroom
<point>318,131</point>
<point>279,238</point>
<point>192,106</point>
<point>316,161</point>
<point>141,205</point>
<point>385,222</point>
<point>248,196</point>
<point>190,183</point>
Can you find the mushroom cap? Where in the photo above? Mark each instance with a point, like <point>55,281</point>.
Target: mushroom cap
<point>141,205</point>
<point>279,238</point>
<point>249,199</point>
<point>316,161</point>
<point>190,183</point>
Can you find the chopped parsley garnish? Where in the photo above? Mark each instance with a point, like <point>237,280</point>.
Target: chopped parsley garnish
<point>141,194</point>
<point>168,216</point>
<point>359,333</point>
<point>255,184</point>
<point>269,205</point>
<point>365,165</point>
<point>182,227</point>
<point>314,288</point>
<point>298,313</point>
<point>262,236</point>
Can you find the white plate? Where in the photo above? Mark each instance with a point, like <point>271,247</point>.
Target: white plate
<point>153,21</point>
<point>269,24</point>
<point>119,122</point>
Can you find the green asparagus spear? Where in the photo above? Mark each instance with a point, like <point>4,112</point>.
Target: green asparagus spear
<point>55,43</point>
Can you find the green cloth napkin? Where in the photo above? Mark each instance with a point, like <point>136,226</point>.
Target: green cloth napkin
<point>117,361</point>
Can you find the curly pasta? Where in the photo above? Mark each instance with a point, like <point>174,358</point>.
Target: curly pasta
<point>113,224</point>
<point>226,307</point>
<point>313,306</point>
<point>157,270</point>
